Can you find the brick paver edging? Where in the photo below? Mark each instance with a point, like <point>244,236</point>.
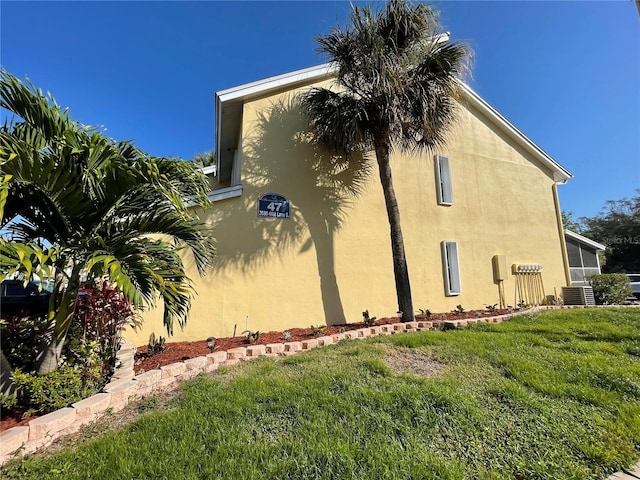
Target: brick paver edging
<point>125,387</point>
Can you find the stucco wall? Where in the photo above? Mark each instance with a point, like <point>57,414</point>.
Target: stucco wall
<point>332,260</point>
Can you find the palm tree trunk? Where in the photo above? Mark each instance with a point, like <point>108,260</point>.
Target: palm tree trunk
<point>401,272</point>
<point>49,352</point>
<point>7,386</point>
<point>52,342</point>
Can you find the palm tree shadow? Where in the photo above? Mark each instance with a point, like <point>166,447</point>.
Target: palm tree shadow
<point>281,156</point>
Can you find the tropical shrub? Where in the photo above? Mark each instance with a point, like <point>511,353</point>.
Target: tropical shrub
<point>83,372</point>
<point>610,288</point>
<point>88,356</point>
<point>94,203</point>
<point>103,313</point>
<point>58,389</point>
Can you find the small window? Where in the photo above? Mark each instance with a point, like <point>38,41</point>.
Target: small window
<point>443,177</point>
<point>451,268</point>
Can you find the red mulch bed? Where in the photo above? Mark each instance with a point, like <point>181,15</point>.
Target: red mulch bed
<point>180,351</point>
<point>14,418</point>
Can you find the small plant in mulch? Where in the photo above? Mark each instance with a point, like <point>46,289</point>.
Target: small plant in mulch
<point>492,308</point>
<point>459,310</point>
<point>251,337</point>
<point>286,335</point>
<point>211,344</point>
<point>155,345</point>
<point>367,319</point>
<point>425,312</point>
<point>320,329</point>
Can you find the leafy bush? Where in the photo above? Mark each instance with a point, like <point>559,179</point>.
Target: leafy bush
<point>101,315</point>
<point>88,356</point>
<point>20,338</point>
<point>58,389</point>
<point>610,288</point>
<point>82,373</point>
<point>8,400</point>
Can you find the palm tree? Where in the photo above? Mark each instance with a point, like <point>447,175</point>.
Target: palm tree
<point>398,80</point>
<point>77,202</point>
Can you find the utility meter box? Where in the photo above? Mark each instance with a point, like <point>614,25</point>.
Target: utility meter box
<point>499,267</point>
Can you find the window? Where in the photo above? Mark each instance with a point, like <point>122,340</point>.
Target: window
<point>443,176</point>
<point>451,268</point>
<point>583,261</point>
<point>573,250</point>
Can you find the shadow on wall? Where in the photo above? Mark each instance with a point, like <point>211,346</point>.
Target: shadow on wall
<point>282,157</point>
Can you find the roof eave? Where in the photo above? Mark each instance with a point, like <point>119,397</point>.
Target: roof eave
<point>582,239</point>
<point>247,91</point>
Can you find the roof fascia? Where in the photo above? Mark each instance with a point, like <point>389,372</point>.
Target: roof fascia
<point>262,86</point>
<point>585,240</point>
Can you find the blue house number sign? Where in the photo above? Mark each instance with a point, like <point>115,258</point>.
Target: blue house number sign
<point>272,205</point>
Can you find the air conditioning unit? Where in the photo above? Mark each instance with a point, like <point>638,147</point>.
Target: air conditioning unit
<point>578,296</point>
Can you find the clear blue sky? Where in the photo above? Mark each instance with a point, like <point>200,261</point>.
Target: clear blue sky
<point>567,74</point>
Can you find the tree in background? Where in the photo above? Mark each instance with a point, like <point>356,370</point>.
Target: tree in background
<point>204,159</point>
<point>398,80</point>
<point>570,223</point>
<point>79,203</point>
<point>617,227</point>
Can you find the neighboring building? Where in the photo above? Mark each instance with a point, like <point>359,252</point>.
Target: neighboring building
<point>490,193</point>
<point>583,257</point>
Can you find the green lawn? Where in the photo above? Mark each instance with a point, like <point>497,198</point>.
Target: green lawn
<point>549,396</point>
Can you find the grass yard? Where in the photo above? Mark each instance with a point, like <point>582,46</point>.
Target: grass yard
<point>548,396</point>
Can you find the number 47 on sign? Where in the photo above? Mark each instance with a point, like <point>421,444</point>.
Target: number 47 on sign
<point>273,205</point>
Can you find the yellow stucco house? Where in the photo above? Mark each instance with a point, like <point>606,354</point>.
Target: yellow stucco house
<point>303,239</point>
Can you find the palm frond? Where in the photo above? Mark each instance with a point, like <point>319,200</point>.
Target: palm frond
<point>97,201</point>
<point>398,80</point>
<point>338,120</point>
<point>37,110</point>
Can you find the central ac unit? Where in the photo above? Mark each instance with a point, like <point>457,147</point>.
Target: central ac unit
<point>578,296</point>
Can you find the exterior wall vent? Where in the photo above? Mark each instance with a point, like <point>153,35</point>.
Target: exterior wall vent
<point>578,296</point>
